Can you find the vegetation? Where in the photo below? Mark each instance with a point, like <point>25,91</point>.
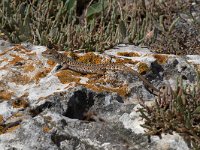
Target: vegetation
<point>178,111</point>
<point>95,25</point>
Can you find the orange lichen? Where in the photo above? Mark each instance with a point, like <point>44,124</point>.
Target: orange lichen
<point>128,54</point>
<point>15,116</point>
<point>125,61</point>
<point>29,68</point>
<point>142,68</point>
<point>122,91</point>
<point>3,85</point>
<point>1,130</point>
<point>5,128</point>
<point>46,129</point>
<point>20,103</point>
<point>18,114</point>
<point>5,95</point>
<point>15,59</point>
<point>115,85</point>
<point>37,63</point>
<point>51,63</point>
<point>4,60</point>
<point>41,74</point>
<point>13,128</point>
<point>20,79</point>
<point>90,58</point>
<point>66,76</point>
<point>5,65</point>
<point>161,59</point>
<point>1,119</point>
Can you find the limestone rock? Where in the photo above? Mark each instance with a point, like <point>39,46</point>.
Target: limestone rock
<point>45,108</point>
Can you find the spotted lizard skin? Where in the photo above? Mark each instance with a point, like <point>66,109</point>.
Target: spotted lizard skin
<point>68,63</point>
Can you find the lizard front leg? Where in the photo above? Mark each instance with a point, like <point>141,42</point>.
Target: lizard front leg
<point>64,66</point>
<point>60,67</point>
<point>56,68</point>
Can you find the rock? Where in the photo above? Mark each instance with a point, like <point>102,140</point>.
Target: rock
<point>42,108</point>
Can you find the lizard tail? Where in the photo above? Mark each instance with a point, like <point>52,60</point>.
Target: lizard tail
<point>145,81</point>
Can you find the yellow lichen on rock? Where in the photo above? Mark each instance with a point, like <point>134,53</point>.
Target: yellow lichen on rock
<point>161,59</point>
<point>20,103</point>
<point>5,128</point>
<point>16,59</point>
<point>1,129</point>
<point>18,114</point>
<point>4,60</point>
<point>143,67</point>
<point>13,128</point>
<point>66,76</point>
<point>41,74</point>
<point>51,63</point>
<point>128,54</point>
<point>20,79</point>
<point>90,58</point>
<point>29,68</point>
<point>46,129</point>
<point>125,61</point>
<point>5,95</point>
<point>1,119</point>
<point>122,91</point>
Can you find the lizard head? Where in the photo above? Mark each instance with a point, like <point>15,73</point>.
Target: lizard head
<point>51,54</point>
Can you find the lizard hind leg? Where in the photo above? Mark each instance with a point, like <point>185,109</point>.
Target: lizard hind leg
<point>95,77</point>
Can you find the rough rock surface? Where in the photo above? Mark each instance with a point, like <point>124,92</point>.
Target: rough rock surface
<point>41,108</point>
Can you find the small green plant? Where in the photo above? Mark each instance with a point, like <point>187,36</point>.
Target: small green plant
<point>177,111</point>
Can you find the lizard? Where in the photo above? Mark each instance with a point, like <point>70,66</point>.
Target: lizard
<point>100,69</point>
